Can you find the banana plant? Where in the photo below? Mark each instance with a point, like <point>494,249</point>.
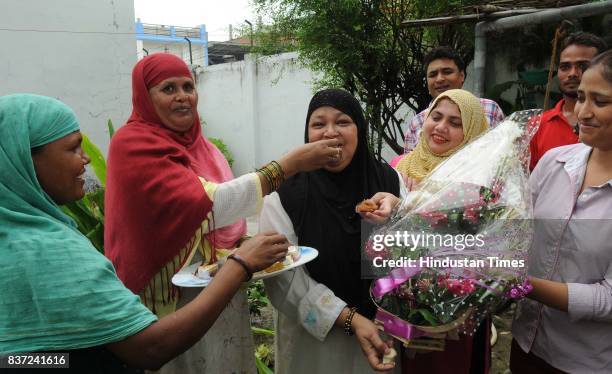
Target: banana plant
<point>88,213</point>
<point>262,352</point>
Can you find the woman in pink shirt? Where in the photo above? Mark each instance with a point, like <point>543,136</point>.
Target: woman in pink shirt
<point>565,325</point>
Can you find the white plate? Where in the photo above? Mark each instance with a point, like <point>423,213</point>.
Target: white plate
<point>186,278</point>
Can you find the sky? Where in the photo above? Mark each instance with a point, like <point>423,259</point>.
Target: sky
<point>217,15</point>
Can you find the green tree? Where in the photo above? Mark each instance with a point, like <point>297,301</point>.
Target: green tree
<point>360,45</point>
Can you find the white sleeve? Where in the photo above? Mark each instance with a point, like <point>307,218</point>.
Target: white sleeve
<point>294,293</point>
<point>235,199</point>
<point>274,218</point>
<point>403,192</point>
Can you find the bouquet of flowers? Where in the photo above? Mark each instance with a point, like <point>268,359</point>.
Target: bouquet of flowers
<point>458,243</point>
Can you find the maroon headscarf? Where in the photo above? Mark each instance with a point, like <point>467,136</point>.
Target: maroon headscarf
<point>154,199</point>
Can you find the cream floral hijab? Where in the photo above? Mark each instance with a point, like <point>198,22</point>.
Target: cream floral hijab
<point>421,161</point>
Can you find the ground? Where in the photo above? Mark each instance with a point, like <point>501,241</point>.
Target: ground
<point>501,350</point>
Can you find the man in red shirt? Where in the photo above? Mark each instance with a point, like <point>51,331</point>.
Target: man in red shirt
<point>559,125</point>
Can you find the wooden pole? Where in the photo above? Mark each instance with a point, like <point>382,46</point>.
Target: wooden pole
<point>559,34</point>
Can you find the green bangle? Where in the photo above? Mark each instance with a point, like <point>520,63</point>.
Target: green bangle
<point>273,174</point>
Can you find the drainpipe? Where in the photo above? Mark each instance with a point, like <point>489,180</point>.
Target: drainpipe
<point>251,27</point>
<point>480,58</point>
<point>545,16</point>
<point>190,55</point>
<point>204,39</point>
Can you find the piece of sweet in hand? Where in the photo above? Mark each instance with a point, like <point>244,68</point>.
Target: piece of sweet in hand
<point>207,271</point>
<point>366,206</point>
<point>389,357</point>
<point>295,252</point>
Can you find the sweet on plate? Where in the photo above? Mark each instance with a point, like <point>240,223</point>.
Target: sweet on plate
<point>207,271</point>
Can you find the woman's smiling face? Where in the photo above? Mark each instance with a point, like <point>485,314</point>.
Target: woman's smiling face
<point>328,122</point>
<point>60,167</point>
<point>443,128</point>
<point>594,109</point>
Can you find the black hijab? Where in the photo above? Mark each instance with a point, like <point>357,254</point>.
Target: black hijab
<point>321,206</point>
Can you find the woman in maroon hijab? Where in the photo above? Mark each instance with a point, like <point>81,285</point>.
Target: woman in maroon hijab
<point>171,197</point>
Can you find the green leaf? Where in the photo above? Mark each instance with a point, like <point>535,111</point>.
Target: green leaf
<point>81,214</point>
<point>412,313</point>
<point>224,150</point>
<point>428,317</point>
<point>94,201</point>
<point>111,128</point>
<point>98,163</point>
<point>257,330</point>
<point>73,213</point>
<point>88,213</point>
<point>89,218</point>
<point>261,367</point>
<point>96,237</point>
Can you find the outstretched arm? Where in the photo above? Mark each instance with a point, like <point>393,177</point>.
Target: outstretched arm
<point>175,333</point>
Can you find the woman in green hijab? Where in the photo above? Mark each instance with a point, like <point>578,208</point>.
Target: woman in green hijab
<point>59,293</point>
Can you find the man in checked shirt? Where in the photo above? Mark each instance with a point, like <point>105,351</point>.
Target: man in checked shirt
<point>445,70</point>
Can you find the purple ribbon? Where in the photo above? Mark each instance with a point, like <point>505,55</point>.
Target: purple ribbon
<point>520,290</point>
<point>396,277</point>
<point>398,327</point>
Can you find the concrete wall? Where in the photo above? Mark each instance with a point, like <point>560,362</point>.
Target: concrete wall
<point>256,106</point>
<point>81,52</point>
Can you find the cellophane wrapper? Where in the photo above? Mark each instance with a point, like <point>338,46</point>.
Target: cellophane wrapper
<point>479,192</point>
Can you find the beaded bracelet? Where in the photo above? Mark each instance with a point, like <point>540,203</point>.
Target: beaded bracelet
<point>348,322</point>
<point>244,264</point>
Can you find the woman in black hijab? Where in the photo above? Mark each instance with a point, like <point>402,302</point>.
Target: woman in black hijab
<point>318,306</point>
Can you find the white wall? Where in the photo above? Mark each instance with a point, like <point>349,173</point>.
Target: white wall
<point>257,107</point>
<point>82,54</point>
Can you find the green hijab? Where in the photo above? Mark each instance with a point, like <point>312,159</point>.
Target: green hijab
<point>58,292</point>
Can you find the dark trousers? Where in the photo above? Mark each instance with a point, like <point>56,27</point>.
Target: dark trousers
<point>528,363</point>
